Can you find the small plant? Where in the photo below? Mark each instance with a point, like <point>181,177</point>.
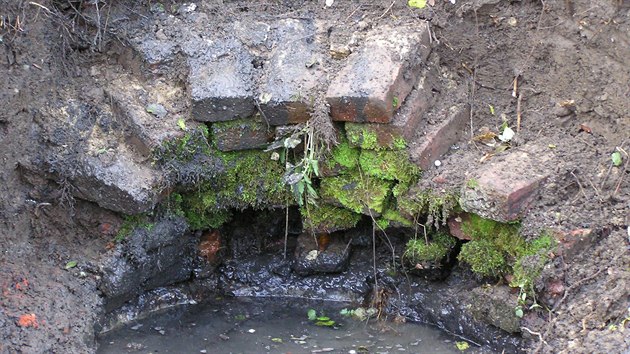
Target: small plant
<point>421,250</point>
<point>320,320</point>
<point>472,183</point>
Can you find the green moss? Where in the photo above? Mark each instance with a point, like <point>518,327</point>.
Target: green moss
<point>357,192</point>
<point>344,155</point>
<point>483,257</point>
<point>400,143</point>
<point>132,222</point>
<point>472,183</point>
<point>361,136</point>
<point>328,218</point>
<point>251,179</point>
<point>437,205</point>
<point>497,249</point>
<point>389,165</point>
<point>185,148</point>
<point>418,250</point>
<point>393,216</point>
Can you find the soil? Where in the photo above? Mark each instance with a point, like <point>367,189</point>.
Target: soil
<point>567,59</point>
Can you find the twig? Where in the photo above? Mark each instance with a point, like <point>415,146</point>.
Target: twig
<point>540,337</point>
<point>40,6</point>
<point>579,185</point>
<point>386,11</point>
<point>518,112</point>
<point>599,196</point>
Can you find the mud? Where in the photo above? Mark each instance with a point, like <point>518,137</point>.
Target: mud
<point>558,51</point>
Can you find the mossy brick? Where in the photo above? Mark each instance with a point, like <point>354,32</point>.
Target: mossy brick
<point>359,193</point>
<point>380,75</point>
<point>289,80</point>
<point>220,82</point>
<point>341,159</point>
<point>241,134</point>
<point>388,165</point>
<point>508,185</point>
<point>404,125</point>
<point>325,218</point>
<point>437,139</point>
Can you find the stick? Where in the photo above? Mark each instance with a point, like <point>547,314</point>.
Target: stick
<point>518,112</point>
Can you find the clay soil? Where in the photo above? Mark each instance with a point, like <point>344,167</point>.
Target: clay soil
<point>571,62</point>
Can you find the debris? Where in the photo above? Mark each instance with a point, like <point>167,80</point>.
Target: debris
<point>28,320</point>
<point>585,128</point>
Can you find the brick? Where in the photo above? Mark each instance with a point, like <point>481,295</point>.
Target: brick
<point>380,75</point>
<point>573,243</point>
<point>291,76</point>
<point>396,134</point>
<point>504,189</point>
<point>241,134</point>
<point>438,139</point>
<point>220,83</point>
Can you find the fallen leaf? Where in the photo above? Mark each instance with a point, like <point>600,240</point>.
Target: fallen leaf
<point>616,158</point>
<point>419,4</point>
<point>507,134</point>
<point>71,264</point>
<point>585,128</point>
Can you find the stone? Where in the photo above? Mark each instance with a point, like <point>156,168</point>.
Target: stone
<point>242,134</point>
<point>573,243</point>
<point>495,305</point>
<point>437,140</point>
<point>402,128</point>
<point>329,254</point>
<point>504,189</point>
<point>145,126</point>
<point>220,82</point>
<point>153,256</point>
<point>455,226</point>
<point>292,74</point>
<point>379,76</point>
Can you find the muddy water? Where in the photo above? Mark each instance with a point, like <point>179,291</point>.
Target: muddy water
<point>247,325</point>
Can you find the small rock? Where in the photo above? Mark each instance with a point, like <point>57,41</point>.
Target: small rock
<point>437,163</point>
<point>339,51</point>
<point>157,110</point>
<point>203,351</point>
<point>251,330</point>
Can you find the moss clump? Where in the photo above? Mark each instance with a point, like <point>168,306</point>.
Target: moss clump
<point>132,222</point>
<point>183,149</point>
<point>437,205</point>
<point>251,179</point>
<point>344,155</point>
<point>389,165</point>
<point>497,249</point>
<point>328,218</point>
<point>418,250</point>
<point>357,192</point>
<point>360,136</point>
<point>392,217</point>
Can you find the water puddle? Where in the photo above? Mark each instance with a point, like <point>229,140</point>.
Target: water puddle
<point>259,325</point>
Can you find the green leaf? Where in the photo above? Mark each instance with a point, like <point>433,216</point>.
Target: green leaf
<point>323,318</point>
<point>71,264</point>
<point>315,165</point>
<point>419,4</point>
<point>462,345</point>
<point>181,124</point>
<point>616,158</point>
<point>491,109</point>
<point>276,340</point>
<point>345,312</point>
<point>328,323</point>
<point>518,312</point>
<point>312,314</point>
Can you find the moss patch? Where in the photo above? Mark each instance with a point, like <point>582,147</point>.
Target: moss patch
<point>357,193</point>
<point>437,205</point>
<point>343,155</point>
<point>418,250</point>
<point>131,223</point>
<point>497,249</point>
<point>184,149</point>
<point>389,165</point>
<point>328,218</point>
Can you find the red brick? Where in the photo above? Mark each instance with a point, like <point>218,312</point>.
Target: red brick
<point>504,189</point>
<point>242,134</point>
<point>403,127</point>
<point>380,75</point>
<point>438,139</point>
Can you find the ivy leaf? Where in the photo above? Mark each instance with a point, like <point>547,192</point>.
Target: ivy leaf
<point>419,4</point>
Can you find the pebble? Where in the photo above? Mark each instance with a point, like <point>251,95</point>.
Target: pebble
<point>203,351</point>
<point>251,330</point>
<point>438,163</point>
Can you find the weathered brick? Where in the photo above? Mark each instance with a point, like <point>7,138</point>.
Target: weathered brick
<point>291,75</point>
<point>379,76</point>
<point>396,134</point>
<point>220,83</point>
<point>437,139</point>
<point>242,134</point>
<point>504,189</point>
